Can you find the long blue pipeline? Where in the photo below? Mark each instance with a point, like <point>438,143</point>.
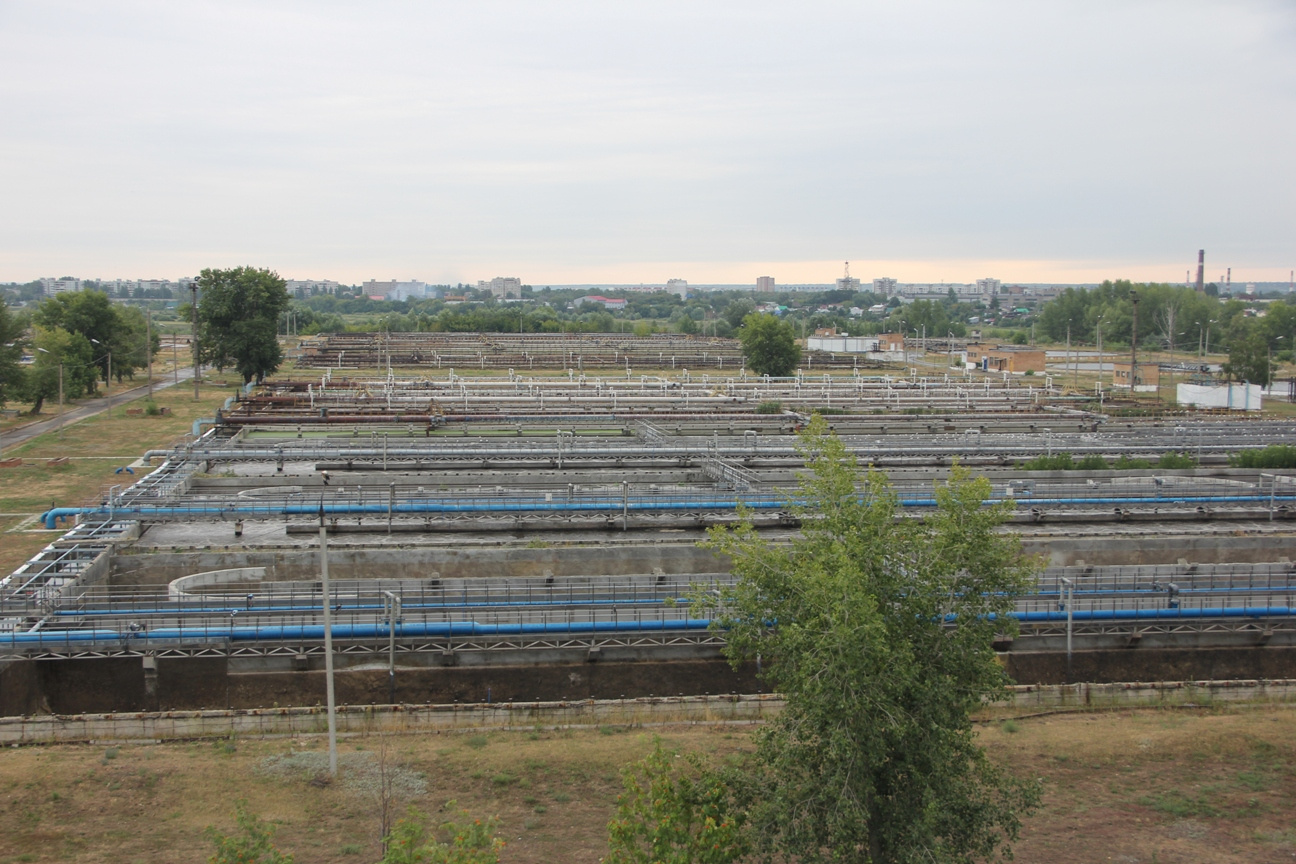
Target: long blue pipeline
<point>305,632</point>
<point>296,609</point>
<point>604,505</point>
<point>372,630</point>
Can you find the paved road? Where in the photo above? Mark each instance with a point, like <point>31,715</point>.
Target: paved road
<point>31,430</point>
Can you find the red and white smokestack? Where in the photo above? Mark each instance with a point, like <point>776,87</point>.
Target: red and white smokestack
<point>1201,271</point>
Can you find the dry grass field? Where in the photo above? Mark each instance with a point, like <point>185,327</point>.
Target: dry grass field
<point>1133,786</point>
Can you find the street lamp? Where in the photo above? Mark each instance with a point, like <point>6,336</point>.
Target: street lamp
<point>109,378</point>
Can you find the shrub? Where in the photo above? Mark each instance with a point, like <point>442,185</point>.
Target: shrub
<point>673,812</point>
<point>251,844</point>
<point>1092,462</point>
<point>1273,456</point>
<point>1056,462</point>
<point>771,407</point>
<point>471,841</point>
<point>1176,460</point>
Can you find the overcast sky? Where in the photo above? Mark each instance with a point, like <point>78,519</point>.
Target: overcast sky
<point>633,142</point>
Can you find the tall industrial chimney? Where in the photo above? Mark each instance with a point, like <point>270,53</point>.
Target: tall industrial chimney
<point>1201,271</point>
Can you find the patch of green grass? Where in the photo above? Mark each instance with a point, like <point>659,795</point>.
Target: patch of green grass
<point>1010,726</point>
<point>504,779</point>
<point>477,742</point>
<point>561,797</point>
<point>1180,805</point>
<point>1256,781</point>
<point>351,849</point>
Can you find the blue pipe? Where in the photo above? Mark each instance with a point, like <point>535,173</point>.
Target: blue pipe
<point>180,609</point>
<point>607,504</point>
<point>471,628</point>
<point>379,630</point>
<point>345,631</point>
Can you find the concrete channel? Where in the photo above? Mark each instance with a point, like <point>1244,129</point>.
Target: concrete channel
<point>441,482</point>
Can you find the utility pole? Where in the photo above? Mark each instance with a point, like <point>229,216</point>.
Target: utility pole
<point>1068,350</point>
<point>1100,360</point>
<point>1134,344</point>
<point>148,347</point>
<point>328,647</point>
<point>193,288</point>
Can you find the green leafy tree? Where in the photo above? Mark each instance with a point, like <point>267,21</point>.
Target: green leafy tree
<point>738,310</point>
<point>1249,359</point>
<point>470,841</point>
<point>11,347</point>
<point>878,632</point>
<point>252,843</point>
<point>111,329</point>
<point>55,348</point>
<point>673,813</point>
<point>238,315</point>
<point>769,345</point>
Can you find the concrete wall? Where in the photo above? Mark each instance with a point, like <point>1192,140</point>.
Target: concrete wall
<point>423,719</point>
<point>1152,664</point>
<point>180,684</point>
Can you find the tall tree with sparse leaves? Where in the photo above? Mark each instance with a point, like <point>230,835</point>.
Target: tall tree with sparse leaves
<point>238,315</point>
<point>878,633</point>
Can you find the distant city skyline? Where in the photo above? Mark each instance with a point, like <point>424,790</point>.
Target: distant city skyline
<point>817,272</point>
<point>569,142</point>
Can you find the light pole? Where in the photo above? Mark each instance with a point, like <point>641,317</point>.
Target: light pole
<point>1100,359</point>
<point>108,381</point>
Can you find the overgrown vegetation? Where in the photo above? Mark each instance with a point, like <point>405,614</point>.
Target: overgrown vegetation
<point>673,811</point>
<point>251,843</point>
<point>1273,456</point>
<point>1094,462</point>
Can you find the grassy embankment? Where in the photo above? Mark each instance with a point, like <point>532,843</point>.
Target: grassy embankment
<point>1132,786</point>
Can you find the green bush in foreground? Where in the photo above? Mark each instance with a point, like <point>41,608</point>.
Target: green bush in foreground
<point>252,843</point>
<point>471,841</point>
<point>673,812</point>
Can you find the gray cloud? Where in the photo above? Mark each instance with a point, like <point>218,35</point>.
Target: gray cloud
<point>450,140</point>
